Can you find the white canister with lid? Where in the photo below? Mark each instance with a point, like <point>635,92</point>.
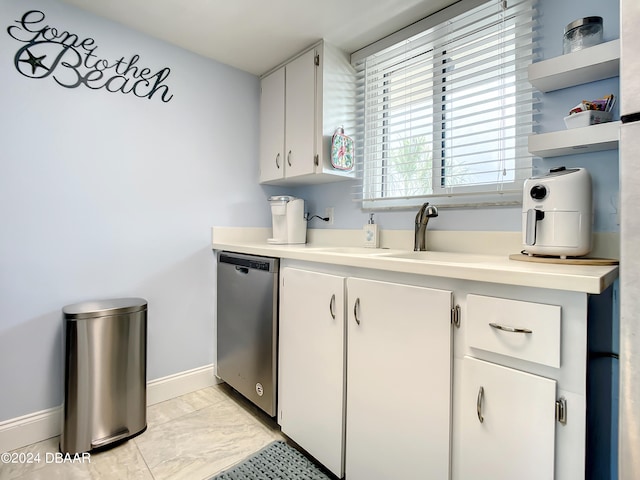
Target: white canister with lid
<point>582,33</point>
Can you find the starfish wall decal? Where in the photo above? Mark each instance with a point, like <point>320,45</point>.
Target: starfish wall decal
<point>35,62</point>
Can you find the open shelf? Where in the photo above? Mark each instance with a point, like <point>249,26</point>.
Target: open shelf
<point>584,66</point>
<point>576,68</point>
<point>594,138</point>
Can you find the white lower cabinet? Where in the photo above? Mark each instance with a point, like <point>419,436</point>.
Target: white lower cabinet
<point>377,383</point>
<point>398,381</point>
<point>311,364</point>
<point>398,375</point>
<point>508,420</point>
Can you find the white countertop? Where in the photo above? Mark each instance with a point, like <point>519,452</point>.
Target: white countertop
<point>466,266</point>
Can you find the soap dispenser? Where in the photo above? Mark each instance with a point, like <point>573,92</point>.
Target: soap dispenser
<point>371,233</point>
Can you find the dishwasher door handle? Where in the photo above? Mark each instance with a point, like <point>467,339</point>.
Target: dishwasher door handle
<point>243,270</point>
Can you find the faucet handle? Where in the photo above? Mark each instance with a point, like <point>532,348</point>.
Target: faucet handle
<point>431,211</point>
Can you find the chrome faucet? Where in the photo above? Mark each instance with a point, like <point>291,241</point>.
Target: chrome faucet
<point>422,218</point>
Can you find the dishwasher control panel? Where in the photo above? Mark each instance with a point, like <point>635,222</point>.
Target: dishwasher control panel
<point>249,261</point>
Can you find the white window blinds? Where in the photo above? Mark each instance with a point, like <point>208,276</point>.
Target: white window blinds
<point>445,114</point>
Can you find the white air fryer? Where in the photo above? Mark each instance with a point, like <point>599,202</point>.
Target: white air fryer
<point>557,213</point>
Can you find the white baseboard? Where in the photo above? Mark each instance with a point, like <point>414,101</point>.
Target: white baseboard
<point>30,428</point>
<point>173,386</point>
<point>35,427</point>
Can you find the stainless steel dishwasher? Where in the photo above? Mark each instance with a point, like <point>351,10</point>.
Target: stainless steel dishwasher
<point>247,332</point>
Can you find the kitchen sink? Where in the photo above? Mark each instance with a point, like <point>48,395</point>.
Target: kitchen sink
<point>439,257</point>
<point>355,250</point>
<point>394,253</point>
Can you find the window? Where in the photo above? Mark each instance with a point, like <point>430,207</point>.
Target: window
<point>445,113</point>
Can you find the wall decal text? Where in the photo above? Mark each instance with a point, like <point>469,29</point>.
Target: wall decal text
<point>72,61</point>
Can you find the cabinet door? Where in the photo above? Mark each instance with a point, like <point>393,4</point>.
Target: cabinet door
<point>272,161</point>
<point>300,119</point>
<point>398,381</point>
<point>508,427</point>
<point>311,368</point>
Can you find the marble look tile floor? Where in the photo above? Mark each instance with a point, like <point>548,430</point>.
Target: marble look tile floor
<point>192,437</point>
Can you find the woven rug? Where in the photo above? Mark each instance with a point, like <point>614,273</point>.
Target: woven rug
<point>276,461</point>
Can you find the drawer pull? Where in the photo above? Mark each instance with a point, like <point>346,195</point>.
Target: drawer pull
<point>479,404</point>
<point>506,328</point>
<point>356,310</point>
<point>332,306</point>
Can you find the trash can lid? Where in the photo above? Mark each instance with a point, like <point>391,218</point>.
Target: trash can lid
<point>102,308</point>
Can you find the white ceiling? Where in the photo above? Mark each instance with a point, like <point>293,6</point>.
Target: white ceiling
<point>257,35</point>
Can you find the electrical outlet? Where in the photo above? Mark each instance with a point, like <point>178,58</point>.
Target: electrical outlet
<point>328,212</point>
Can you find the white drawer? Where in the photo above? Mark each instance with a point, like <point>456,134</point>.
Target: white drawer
<point>525,330</point>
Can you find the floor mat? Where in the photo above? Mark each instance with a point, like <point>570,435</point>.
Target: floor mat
<point>276,461</point>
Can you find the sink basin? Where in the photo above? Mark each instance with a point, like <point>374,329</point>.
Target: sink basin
<point>440,257</point>
<point>355,250</point>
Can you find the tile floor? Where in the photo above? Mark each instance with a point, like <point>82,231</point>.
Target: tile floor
<point>191,437</point>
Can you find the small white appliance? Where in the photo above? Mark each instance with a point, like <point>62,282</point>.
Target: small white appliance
<point>557,213</point>
<point>289,224</point>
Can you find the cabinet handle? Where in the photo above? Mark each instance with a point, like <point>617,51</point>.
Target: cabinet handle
<point>356,310</point>
<point>289,158</point>
<point>479,404</point>
<point>278,160</point>
<point>506,328</point>
<point>332,306</point>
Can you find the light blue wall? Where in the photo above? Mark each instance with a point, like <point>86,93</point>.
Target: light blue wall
<point>105,195</point>
<point>603,166</point>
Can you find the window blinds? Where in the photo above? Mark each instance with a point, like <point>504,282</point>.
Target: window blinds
<point>446,113</point>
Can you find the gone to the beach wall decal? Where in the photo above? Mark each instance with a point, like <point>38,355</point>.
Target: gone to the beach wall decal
<point>72,61</point>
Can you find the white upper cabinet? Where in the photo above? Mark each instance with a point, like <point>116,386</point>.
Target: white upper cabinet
<point>300,110</point>
<point>301,105</point>
<point>272,127</point>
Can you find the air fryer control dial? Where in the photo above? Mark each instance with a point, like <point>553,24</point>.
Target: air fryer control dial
<point>538,192</point>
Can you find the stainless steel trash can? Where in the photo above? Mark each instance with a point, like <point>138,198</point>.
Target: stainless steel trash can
<point>105,384</point>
